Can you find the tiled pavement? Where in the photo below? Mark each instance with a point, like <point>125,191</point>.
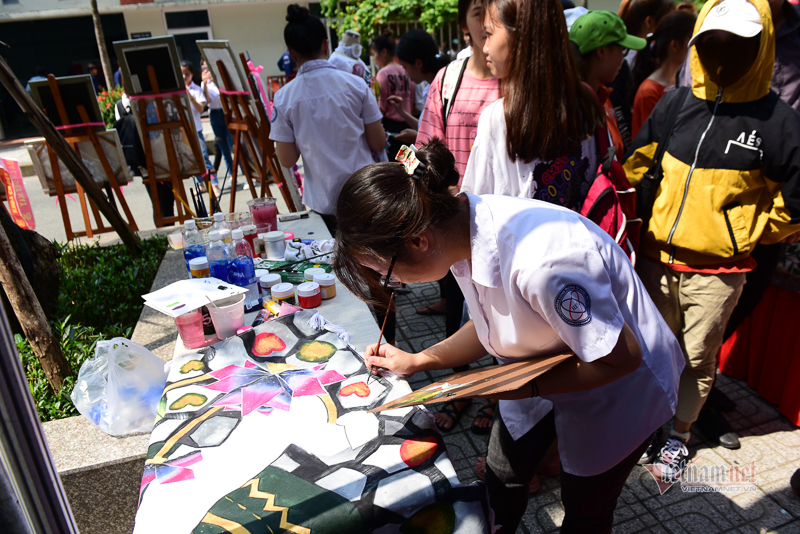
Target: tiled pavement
<point>768,439</point>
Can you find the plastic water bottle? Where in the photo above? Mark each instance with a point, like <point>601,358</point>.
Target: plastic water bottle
<point>192,243</point>
<point>243,272</point>
<point>222,227</point>
<point>219,257</point>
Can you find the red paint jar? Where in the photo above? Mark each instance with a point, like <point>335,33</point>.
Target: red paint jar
<point>250,236</point>
<point>309,295</point>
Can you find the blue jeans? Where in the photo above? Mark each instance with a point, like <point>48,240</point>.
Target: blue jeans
<point>223,137</point>
<point>209,166</point>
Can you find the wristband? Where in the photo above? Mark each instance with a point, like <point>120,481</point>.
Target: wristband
<point>534,388</point>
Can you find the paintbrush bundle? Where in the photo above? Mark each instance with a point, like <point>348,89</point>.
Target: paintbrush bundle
<point>483,382</point>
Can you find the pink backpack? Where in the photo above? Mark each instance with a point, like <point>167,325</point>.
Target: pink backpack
<point>611,200</point>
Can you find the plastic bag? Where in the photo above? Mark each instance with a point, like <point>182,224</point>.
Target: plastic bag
<point>119,388</point>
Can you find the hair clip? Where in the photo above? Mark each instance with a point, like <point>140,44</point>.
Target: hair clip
<point>407,156</point>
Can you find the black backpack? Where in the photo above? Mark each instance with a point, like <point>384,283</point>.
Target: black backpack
<point>129,139</point>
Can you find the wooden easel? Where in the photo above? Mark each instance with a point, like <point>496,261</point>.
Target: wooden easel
<point>166,127</point>
<point>241,123</point>
<point>248,127</point>
<point>73,136</point>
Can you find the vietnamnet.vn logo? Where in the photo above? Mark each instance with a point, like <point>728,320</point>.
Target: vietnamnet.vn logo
<point>705,478</point>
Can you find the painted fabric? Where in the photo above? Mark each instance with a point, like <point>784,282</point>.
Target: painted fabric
<point>268,432</point>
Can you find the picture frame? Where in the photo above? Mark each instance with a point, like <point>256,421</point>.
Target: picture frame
<point>136,55</point>
<point>214,51</point>
<point>109,140</point>
<point>187,163</point>
<point>75,91</point>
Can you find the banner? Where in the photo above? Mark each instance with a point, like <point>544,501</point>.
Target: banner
<point>18,203</point>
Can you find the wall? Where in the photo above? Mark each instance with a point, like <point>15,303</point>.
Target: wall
<point>257,28</point>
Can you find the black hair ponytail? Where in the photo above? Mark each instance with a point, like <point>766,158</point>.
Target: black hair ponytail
<point>384,41</point>
<point>304,32</point>
<point>418,44</point>
<point>381,208</point>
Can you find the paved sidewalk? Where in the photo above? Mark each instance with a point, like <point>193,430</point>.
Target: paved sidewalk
<point>768,439</point>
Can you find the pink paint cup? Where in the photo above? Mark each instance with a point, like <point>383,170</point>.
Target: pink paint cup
<point>190,328</point>
<point>264,212</point>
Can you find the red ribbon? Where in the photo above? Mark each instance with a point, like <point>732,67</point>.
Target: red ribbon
<point>172,93</point>
<point>81,125</point>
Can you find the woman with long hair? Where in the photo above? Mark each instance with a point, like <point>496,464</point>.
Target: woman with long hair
<point>537,279</point>
<point>537,140</point>
<point>658,63</point>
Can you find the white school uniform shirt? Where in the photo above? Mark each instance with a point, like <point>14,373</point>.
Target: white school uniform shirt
<point>214,100</point>
<point>198,95</point>
<point>543,279</point>
<point>491,172</point>
<point>324,112</point>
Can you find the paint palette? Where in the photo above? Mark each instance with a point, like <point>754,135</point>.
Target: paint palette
<point>187,295</point>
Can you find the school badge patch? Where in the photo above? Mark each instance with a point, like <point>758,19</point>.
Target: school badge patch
<point>574,305</point>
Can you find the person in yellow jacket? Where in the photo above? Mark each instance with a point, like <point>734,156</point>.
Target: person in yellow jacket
<point>730,181</point>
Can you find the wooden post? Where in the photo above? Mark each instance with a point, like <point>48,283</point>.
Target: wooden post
<point>31,316</point>
<point>68,156</point>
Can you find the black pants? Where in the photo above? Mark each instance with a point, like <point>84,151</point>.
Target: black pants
<point>166,199</point>
<point>391,322</point>
<point>589,502</point>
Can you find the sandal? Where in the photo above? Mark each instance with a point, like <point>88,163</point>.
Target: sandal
<point>485,412</point>
<point>451,411</point>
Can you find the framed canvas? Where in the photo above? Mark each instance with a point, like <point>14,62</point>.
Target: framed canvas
<point>137,55</point>
<point>109,140</point>
<point>214,51</point>
<point>188,164</point>
<point>75,91</point>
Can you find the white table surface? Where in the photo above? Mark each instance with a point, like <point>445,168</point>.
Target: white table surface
<point>344,309</point>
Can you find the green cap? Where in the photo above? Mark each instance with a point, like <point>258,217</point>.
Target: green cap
<point>600,28</point>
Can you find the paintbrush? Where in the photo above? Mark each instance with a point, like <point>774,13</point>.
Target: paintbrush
<point>388,308</point>
<point>385,317</point>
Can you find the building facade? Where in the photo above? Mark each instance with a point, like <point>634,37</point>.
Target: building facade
<point>58,36</point>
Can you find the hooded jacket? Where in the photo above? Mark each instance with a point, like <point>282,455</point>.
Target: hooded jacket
<point>731,168</point>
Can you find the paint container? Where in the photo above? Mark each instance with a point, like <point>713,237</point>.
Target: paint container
<point>259,243</point>
<point>259,274</point>
<point>265,213</point>
<point>198,267</point>
<point>266,282</point>
<point>283,292</point>
<point>190,328</point>
<point>272,307</point>
<point>327,285</point>
<point>227,315</point>
<point>308,274</point>
<point>250,235</point>
<point>308,295</point>
<point>274,245</point>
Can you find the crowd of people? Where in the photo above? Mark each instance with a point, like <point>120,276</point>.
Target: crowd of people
<point>695,112</point>
<point>698,112</point>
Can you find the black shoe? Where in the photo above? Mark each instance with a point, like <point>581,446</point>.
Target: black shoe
<point>652,451</point>
<point>716,430</point>
<point>719,400</point>
<point>794,482</point>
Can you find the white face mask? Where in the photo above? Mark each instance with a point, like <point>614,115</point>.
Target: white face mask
<point>352,51</point>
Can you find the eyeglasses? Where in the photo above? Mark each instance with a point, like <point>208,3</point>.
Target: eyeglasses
<point>389,273</point>
<point>625,52</point>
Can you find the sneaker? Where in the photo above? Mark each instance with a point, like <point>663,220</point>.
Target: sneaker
<point>649,456</point>
<point>671,460</point>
